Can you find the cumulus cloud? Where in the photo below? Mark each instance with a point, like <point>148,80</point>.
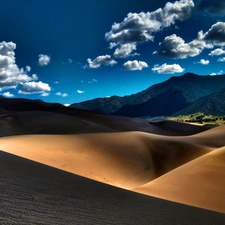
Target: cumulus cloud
<point>34,88</point>
<point>204,62</point>
<point>215,34</point>
<point>43,60</point>
<point>218,51</point>
<point>174,46</point>
<point>125,50</point>
<point>67,105</point>
<point>10,74</point>
<point>140,27</point>
<point>214,7</point>
<point>219,73</point>
<point>168,69</point>
<point>80,92</point>
<point>105,60</point>
<point>8,94</point>
<point>61,94</point>
<point>44,94</point>
<point>222,59</point>
<point>28,68</point>
<point>34,77</point>
<point>134,65</point>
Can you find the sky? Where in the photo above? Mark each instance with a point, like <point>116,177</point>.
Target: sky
<point>70,51</point>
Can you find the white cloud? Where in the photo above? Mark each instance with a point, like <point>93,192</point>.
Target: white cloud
<point>61,94</point>
<point>94,80</point>
<point>67,105</point>
<point>222,59</point>
<point>10,74</point>
<point>105,60</point>
<point>140,27</point>
<point>134,65</point>
<point>204,62</point>
<point>218,51</point>
<point>34,77</point>
<point>28,68</point>
<point>215,34</point>
<point>44,94</point>
<point>80,92</point>
<point>219,73</point>
<point>44,60</point>
<point>174,46</point>
<point>8,95</point>
<point>124,50</point>
<point>34,87</point>
<point>168,69</point>
<point>56,82</point>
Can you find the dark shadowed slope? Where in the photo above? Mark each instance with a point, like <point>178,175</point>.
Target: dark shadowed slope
<point>64,120</point>
<point>162,105</point>
<point>32,193</point>
<point>22,104</point>
<point>213,104</point>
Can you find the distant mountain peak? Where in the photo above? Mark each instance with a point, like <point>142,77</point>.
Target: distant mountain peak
<point>186,88</point>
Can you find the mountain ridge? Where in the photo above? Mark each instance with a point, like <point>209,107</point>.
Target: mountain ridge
<point>190,85</point>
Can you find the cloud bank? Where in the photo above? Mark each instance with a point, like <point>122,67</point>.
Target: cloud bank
<point>10,74</point>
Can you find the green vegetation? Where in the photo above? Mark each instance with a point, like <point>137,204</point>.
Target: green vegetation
<point>199,118</point>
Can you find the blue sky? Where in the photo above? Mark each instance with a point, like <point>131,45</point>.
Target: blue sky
<point>74,50</point>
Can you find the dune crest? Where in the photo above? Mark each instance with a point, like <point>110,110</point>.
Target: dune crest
<point>198,183</point>
<point>126,160</point>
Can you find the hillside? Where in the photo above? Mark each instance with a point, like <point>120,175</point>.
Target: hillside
<point>190,85</point>
<point>213,104</point>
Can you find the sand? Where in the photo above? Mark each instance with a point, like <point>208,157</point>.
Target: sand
<point>62,147</point>
<point>126,160</point>
<point>198,183</point>
<point>32,193</point>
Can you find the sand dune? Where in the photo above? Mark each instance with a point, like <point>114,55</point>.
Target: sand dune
<point>198,183</point>
<point>127,159</point>
<point>32,193</point>
<point>214,137</point>
<point>176,161</point>
<point>23,116</point>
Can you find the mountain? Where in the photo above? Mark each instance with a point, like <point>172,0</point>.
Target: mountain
<point>150,102</point>
<point>18,104</point>
<point>213,104</point>
<point>165,104</point>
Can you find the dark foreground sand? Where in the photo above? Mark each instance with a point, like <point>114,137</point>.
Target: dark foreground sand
<point>57,197</point>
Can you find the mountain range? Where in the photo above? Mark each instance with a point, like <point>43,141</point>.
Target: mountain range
<point>180,95</point>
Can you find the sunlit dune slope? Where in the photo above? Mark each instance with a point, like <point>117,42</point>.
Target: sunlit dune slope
<point>198,183</point>
<point>214,137</point>
<point>126,160</point>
